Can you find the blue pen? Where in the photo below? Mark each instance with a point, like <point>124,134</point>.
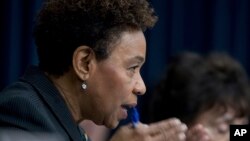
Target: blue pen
<point>134,117</point>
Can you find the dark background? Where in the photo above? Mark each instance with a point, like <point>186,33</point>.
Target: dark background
<point>184,25</point>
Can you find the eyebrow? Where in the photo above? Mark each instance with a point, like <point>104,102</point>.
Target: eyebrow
<point>140,59</point>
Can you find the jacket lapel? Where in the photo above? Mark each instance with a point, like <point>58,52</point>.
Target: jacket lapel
<point>52,97</point>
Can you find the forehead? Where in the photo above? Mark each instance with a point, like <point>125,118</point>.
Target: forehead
<point>219,113</point>
<point>130,45</point>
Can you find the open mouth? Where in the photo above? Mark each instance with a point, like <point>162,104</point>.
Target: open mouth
<point>128,106</point>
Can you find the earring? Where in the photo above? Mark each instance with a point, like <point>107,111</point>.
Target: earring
<point>84,85</point>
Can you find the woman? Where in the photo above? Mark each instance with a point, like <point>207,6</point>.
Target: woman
<point>90,55</point>
<point>211,91</point>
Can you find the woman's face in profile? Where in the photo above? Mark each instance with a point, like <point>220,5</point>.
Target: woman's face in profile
<point>116,81</point>
<point>217,123</point>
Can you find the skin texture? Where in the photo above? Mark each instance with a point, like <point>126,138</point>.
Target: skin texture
<point>116,81</point>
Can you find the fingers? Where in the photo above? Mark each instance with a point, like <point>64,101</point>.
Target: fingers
<point>168,130</point>
<point>171,135</point>
<point>198,133</point>
<point>166,124</point>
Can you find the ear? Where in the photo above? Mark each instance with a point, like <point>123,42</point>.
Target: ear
<point>83,59</point>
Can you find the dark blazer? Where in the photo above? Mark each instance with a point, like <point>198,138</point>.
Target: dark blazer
<point>34,104</point>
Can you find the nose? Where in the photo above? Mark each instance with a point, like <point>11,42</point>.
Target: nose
<point>140,87</point>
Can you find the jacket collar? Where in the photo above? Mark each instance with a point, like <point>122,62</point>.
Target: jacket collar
<point>53,98</point>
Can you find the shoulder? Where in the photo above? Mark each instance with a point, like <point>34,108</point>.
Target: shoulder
<point>18,92</point>
<point>21,135</point>
<point>21,107</point>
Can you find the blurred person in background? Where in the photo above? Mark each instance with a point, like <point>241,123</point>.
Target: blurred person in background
<point>211,92</point>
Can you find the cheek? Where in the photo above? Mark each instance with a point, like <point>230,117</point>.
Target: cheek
<point>113,84</point>
<point>120,88</point>
<point>116,86</point>
<point>118,81</point>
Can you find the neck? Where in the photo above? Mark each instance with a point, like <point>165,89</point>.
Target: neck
<point>66,85</point>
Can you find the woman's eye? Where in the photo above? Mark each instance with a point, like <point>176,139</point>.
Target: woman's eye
<point>133,68</point>
<point>223,128</point>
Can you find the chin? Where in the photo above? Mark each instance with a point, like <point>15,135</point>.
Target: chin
<point>112,125</point>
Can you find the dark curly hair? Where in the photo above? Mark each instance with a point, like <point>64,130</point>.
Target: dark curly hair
<point>64,25</point>
<point>195,84</point>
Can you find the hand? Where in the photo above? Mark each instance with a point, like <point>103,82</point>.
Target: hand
<point>166,130</point>
<point>198,133</point>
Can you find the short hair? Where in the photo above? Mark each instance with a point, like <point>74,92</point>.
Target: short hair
<point>194,84</point>
<point>230,83</point>
<point>64,25</point>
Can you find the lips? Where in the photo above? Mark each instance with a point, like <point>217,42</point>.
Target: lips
<point>124,113</point>
<point>125,108</point>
